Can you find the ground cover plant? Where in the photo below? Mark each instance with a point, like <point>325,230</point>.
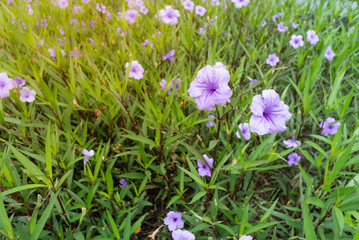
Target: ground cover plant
<point>169,119</point>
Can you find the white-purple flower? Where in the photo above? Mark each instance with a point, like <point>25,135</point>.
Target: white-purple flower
<point>269,113</point>
<point>205,169</point>
<point>329,54</point>
<point>293,159</point>
<point>63,4</point>
<point>87,155</point>
<point>169,56</point>
<point>272,60</point>
<point>136,70</point>
<point>182,235</point>
<point>173,220</point>
<point>131,15</point>
<point>312,37</point>
<point>169,15</point>
<point>240,3</point>
<point>210,87</point>
<point>219,65</point>
<point>292,143</point>
<point>281,27</point>
<point>27,95</point>
<point>19,82</point>
<point>252,81</point>
<point>296,41</point>
<point>188,5</point>
<point>6,84</point>
<point>244,128</point>
<point>123,182</point>
<point>329,127</point>
<point>199,10</point>
<point>210,123</point>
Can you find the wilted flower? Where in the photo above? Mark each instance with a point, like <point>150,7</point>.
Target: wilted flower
<point>269,113</point>
<point>199,10</point>
<point>188,5</point>
<point>87,155</point>
<point>210,123</point>
<point>27,95</point>
<point>173,220</point>
<point>246,237</point>
<point>210,87</point>
<point>6,84</point>
<point>329,127</point>
<point>292,143</point>
<point>240,3</point>
<point>205,169</point>
<point>296,41</point>
<point>293,159</point>
<point>244,128</point>
<point>169,56</point>
<point>123,182</point>
<point>252,81</point>
<point>63,4</point>
<point>281,27</point>
<point>136,70</point>
<point>312,37</point>
<point>272,60</point>
<point>329,54</point>
<point>182,235</point>
<point>169,15</point>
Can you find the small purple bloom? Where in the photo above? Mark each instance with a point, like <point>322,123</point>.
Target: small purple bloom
<point>329,127</point>
<point>252,81</point>
<point>92,42</point>
<point>85,1</point>
<point>201,30</point>
<point>123,182</point>
<point>312,37</point>
<point>210,123</point>
<point>281,27</point>
<point>293,159</point>
<point>269,113</point>
<point>87,155</point>
<point>205,169</point>
<point>75,53</point>
<point>6,84</point>
<point>215,3</point>
<point>169,15</point>
<point>296,41</point>
<point>27,95</point>
<point>101,8</point>
<point>244,127</point>
<point>199,10</point>
<point>246,237</point>
<point>210,87</point>
<point>272,60</point>
<point>63,4</point>
<point>173,220</point>
<point>52,52</point>
<point>188,5</point>
<point>240,3</point>
<point>24,25</point>
<point>275,16</point>
<point>263,23</point>
<point>169,56</point>
<point>292,143</point>
<point>136,70</point>
<point>19,82</point>
<point>182,235</point>
<point>293,25</point>
<point>329,54</point>
<point>131,15</point>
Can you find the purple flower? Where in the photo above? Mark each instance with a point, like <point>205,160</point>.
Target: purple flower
<point>77,9</point>
<point>101,8</point>
<point>85,1</point>
<point>27,95</point>
<point>92,42</point>
<point>6,84</point>
<point>199,10</point>
<point>210,87</point>
<point>219,65</point>
<point>136,70</point>
<point>123,182</point>
<point>52,52</point>
<point>263,23</point>
<point>272,60</point>
<point>252,81</point>
<point>87,155</point>
<point>269,113</point>
<point>329,54</point>
<point>188,5</point>
<point>131,15</point>
<point>293,159</point>
<point>63,52</point>
<point>210,123</point>
<point>63,4</point>
<point>240,3</point>
<point>281,27</point>
<point>275,16</point>
<point>201,30</point>
<point>173,220</point>
<point>329,127</point>
<point>205,169</point>
<point>169,56</point>
<point>143,9</point>
<point>293,25</point>
<point>75,53</point>
<point>312,37</point>
<point>24,25</point>
<point>169,15</point>
<point>182,235</point>
<point>292,143</point>
<point>244,127</point>
<point>19,82</point>
<point>296,41</point>
<point>163,84</point>
<point>215,3</point>
<point>246,237</point>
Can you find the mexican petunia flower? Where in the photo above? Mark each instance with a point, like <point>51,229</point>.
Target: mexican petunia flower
<point>210,87</point>
<point>63,4</point>
<point>169,15</point>
<point>329,54</point>
<point>272,60</point>
<point>246,237</point>
<point>329,127</point>
<point>244,127</point>
<point>205,169</point>
<point>6,84</point>
<point>131,15</point>
<point>240,3</point>
<point>136,70</point>
<point>281,27</point>
<point>210,123</point>
<point>19,82</point>
<point>292,143</point>
<point>312,37</point>
<point>173,220</point>
<point>169,56</point>
<point>188,5</point>
<point>293,159</point>
<point>296,41</point>
<point>87,155</point>
<point>269,113</point>
<point>182,235</point>
<point>252,81</point>
<point>27,95</point>
<point>199,10</point>
<point>123,182</point>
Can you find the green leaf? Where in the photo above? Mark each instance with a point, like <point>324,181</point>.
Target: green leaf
<point>21,188</point>
<point>308,225</point>
<point>4,220</point>
<point>338,219</point>
<point>113,225</point>
<point>141,139</point>
<point>268,213</point>
<point>48,168</point>
<point>198,196</point>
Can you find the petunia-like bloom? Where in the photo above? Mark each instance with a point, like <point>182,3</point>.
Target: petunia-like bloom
<point>201,30</point>
<point>188,5</point>
<point>173,220</point>
<point>312,37</point>
<point>252,81</point>
<point>205,169</point>
<point>281,27</point>
<point>263,23</point>
<point>329,54</point>
<point>293,25</point>
<point>219,65</point>
<point>27,95</point>
<point>169,15</point>
<point>329,127</point>
<point>182,235</point>
<point>136,70</point>
<point>52,52</point>
<point>19,82</point>
<point>210,87</point>
<point>87,155</point>
<point>275,16</point>
<point>215,2</point>
<point>269,113</point>
<point>176,82</point>
<point>169,56</point>
<point>123,182</point>
<point>131,15</point>
<point>272,60</point>
<point>240,3</point>
<point>6,84</point>
<point>246,237</point>
<point>293,159</point>
<point>101,8</point>
<point>75,53</point>
<point>85,1</point>
<point>210,123</point>
<point>244,127</point>
<point>296,41</point>
<point>292,143</point>
<point>199,10</point>
<point>63,4</point>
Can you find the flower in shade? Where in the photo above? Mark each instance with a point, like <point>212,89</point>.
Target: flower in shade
<point>169,15</point>
<point>281,27</point>
<point>199,10</point>
<point>272,60</point>
<point>292,143</point>
<point>19,82</point>
<point>27,95</point>
<point>244,127</point>
<point>329,54</point>
<point>188,5</point>
<point>87,155</point>
<point>293,159</point>
<point>252,81</point>
<point>173,220</point>
<point>240,3</point>
<point>131,15</point>
<point>210,123</point>
<point>136,70</point>
<point>63,4</point>
<point>312,37</point>
<point>205,169</point>
<point>269,113</point>
<point>6,84</point>
<point>296,41</point>
<point>329,127</point>
<point>246,237</point>
<point>123,182</point>
<point>210,87</point>
<point>169,56</point>
<point>182,235</point>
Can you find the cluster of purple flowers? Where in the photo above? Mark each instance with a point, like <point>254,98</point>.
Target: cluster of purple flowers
<point>174,223</point>
<point>175,82</point>
<point>7,84</point>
